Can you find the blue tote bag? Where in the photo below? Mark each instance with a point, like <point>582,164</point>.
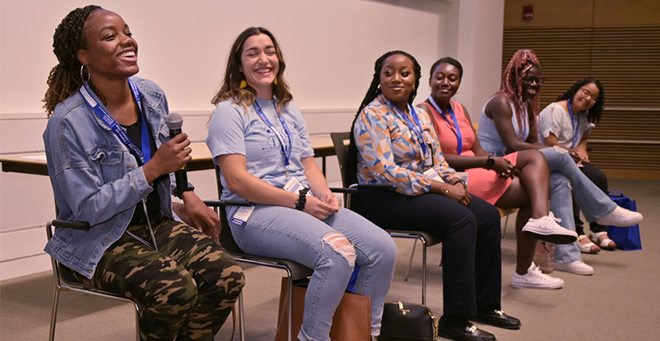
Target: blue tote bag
<point>626,238</point>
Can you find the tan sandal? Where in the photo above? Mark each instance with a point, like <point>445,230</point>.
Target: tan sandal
<point>589,247</point>
<point>605,243</point>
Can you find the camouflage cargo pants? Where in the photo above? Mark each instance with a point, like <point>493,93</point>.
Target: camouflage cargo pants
<point>186,289</point>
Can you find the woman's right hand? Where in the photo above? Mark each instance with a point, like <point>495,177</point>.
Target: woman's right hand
<point>318,208</point>
<point>458,193</point>
<point>170,157</point>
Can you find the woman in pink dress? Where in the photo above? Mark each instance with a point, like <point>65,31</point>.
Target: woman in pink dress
<point>518,180</point>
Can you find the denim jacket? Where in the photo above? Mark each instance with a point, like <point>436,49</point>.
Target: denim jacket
<point>95,178</point>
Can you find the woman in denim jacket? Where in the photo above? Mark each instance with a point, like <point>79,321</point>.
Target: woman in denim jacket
<point>109,160</point>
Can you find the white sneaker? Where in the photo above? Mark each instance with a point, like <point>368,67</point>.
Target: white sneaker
<point>546,228</point>
<point>578,267</point>
<point>535,279</point>
<point>621,217</point>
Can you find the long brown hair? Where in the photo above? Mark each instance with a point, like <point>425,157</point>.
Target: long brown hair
<point>231,87</point>
<point>512,79</point>
<point>65,78</point>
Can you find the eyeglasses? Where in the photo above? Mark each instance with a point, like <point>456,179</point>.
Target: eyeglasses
<point>588,94</point>
<point>530,80</point>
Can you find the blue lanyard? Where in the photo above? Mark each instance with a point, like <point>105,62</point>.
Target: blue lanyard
<point>415,127</point>
<point>455,128</point>
<point>145,154</point>
<point>576,127</point>
<point>286,151</point>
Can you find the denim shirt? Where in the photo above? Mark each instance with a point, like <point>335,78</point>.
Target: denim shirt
<point>95,178</point>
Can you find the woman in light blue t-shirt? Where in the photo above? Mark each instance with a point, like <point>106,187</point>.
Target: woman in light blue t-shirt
<point>260,141</point>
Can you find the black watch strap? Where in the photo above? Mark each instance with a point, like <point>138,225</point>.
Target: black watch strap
<point>179,193</point>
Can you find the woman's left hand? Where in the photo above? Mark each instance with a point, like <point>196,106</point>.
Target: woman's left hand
<point>196,214</point>
<point>505,168</point>
<point>331,201</point>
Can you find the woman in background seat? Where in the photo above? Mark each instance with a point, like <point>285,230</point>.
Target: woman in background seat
<point>567,123</point>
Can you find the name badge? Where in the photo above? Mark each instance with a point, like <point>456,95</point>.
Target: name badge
<point>294,186</point>
<point>433,175</point>
<point>242,215</point>
<point>428,158</point>
<point>464,175</point>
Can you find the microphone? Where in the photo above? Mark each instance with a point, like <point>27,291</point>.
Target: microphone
<point>174,121</point>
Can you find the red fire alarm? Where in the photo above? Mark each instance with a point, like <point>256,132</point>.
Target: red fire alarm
<point>528,12</point>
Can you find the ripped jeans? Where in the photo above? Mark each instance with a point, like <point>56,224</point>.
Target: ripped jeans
<point>282,232</point>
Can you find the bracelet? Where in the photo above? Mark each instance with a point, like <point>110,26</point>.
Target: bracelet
<point>302,199</point>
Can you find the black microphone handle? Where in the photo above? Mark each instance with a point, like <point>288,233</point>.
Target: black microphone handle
<point>180,175</point>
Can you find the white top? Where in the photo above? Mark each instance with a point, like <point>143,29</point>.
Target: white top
<point>556,120</point>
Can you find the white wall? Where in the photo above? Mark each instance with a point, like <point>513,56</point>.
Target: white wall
<point>329,46</point>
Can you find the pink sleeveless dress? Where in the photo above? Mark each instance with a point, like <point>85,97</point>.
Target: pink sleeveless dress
<point>482,183</point>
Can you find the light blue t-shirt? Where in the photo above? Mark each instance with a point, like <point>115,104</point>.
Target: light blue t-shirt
<point>234,131</point>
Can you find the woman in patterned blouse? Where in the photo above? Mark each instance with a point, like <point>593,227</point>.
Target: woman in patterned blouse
<point>393,143</point>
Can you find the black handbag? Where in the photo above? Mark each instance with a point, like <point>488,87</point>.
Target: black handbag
<point>408,322</point>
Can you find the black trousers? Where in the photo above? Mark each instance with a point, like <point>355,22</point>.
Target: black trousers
<point>471,253</point>
<point>600,180</point>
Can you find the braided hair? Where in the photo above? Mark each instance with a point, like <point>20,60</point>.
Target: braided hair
<point>511,86</point>
<point>372,93</point>
<point>65,79</point>
<point>231,87</point>
<point>596,111</point>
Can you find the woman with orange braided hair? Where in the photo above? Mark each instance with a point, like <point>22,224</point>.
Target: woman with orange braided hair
<point>508,124</point>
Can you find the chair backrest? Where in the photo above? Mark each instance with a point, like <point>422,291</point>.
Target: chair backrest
<point>341,142</point>
<point>226,237</point>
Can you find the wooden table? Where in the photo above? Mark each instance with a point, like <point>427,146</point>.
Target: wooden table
<point>35,163</point>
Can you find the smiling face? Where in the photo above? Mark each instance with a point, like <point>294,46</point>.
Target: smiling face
<point>445,81</point>
<point>259,64</point>
<point>585,98</point>
<point>531,83</point>
<point>110,51</point>
<point>397,80</point>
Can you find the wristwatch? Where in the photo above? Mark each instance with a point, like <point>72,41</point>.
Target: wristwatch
<point>490,162</point>
<point>179,193</point>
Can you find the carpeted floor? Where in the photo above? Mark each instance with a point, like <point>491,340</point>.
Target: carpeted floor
<point>621,301</point>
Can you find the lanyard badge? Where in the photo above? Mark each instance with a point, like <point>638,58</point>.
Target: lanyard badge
<point>416,128</point>
<point>576,126</point>
<point>144,154</point>
<point>286,151</point>
<point>456,129</point>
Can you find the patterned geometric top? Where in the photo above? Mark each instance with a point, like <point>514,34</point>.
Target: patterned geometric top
<point>389,152</point>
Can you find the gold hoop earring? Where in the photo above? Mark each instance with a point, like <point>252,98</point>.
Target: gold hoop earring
<point>89,74</point>
<point>275,82</point>
<point>243,84</point>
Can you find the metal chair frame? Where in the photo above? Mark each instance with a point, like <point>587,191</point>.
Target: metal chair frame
<point>64,281</point>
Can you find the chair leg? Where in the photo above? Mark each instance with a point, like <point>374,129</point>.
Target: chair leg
<point>423,272</point>
<point>137,321</point>
<point>412,253</point>
<point>506,222</point>
<point>289,312</point>
<point>241,317</point>
<point>53,316</point>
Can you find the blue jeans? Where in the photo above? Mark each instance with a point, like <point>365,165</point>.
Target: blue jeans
<point>283,232</point>
<point>564,176</point>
